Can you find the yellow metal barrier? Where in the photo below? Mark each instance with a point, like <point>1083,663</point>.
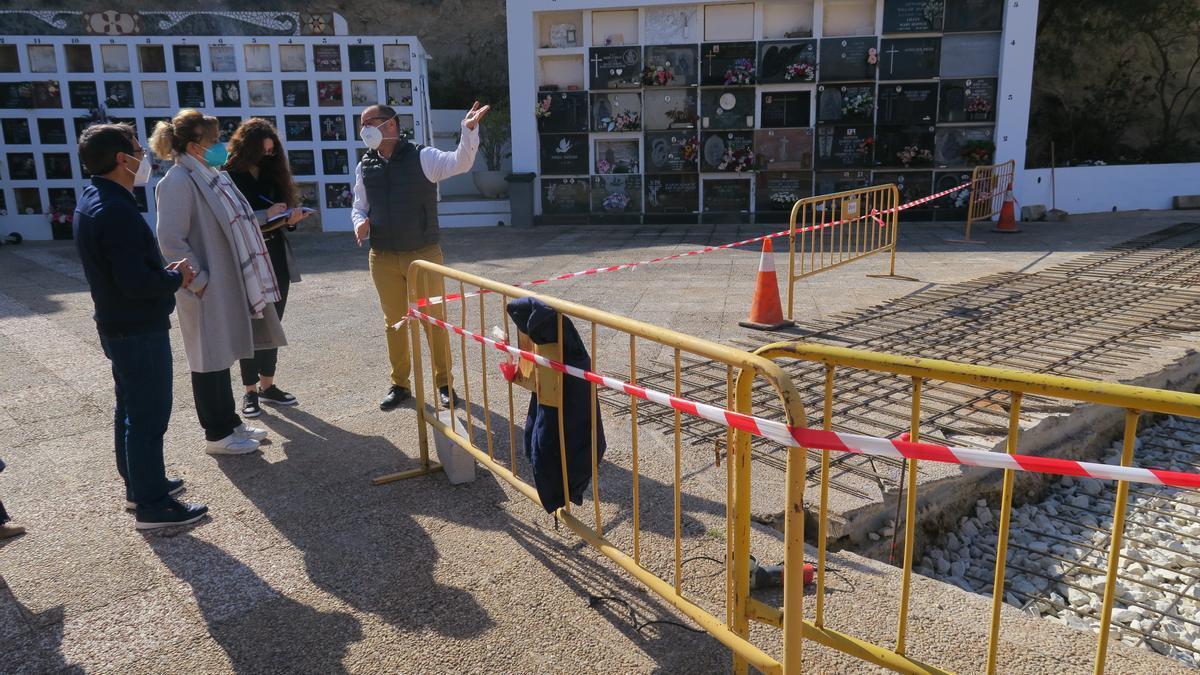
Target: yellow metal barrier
<point>988,186</point>
<point>1132,401</point>
<point>742,369</point>
<point>828,231</point>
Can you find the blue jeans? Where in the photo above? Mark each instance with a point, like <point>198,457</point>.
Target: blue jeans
<point>141,367</point>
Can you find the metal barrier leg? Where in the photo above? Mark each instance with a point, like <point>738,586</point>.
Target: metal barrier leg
<point>1114,549</point>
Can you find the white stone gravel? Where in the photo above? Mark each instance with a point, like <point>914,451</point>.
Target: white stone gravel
<point>1065,538</point>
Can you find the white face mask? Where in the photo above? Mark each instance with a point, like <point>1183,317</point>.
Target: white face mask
<point>142,175</point>
<point>372,137</point>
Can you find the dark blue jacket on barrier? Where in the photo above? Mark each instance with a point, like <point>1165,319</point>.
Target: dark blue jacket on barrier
<point>540,322</point>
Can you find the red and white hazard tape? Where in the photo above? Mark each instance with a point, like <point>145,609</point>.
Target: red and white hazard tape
<point>437,300</point>
<point>830,440</point>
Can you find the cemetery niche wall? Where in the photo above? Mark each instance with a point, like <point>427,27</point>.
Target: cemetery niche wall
<point>741,108</point>
<point>60,72</point>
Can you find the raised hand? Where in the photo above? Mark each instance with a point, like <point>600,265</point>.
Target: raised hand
<point>475,115</point>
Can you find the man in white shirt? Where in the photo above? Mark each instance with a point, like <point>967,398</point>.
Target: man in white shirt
<point>395,207</point>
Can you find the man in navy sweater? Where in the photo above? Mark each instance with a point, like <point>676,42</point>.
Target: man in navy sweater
<point>134,297</point>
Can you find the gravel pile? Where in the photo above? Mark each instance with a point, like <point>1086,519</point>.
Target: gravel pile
<point>1058,549</point>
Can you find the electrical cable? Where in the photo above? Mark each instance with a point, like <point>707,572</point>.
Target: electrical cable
<point>595,600</point>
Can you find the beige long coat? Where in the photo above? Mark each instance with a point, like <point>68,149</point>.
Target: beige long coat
<point>217,328</point>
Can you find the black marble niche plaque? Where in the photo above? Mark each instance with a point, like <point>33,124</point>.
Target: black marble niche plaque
<point>16,95</point>
<point>783,149</point>
<point>615,67</point>
<point>16,131</point>
<point>785,109</point>
<point>616,111</point>
<point>616,195</point>
<point>617,156</point>
<point>912,185</point>
<point>828,182</point>
<point>954,205</point>
<point>904,147</point>
<point>669,109</point>
<point>907,103</point>
<point>727,151</point>
<point>970,16</point>
<point>564,154</point>
<point>845,103</point>
<point>672,151</point>
<point>910,58</point>
<point>952,143</point>
<point>672,193</point>
<point>565,196</point>
<point>726,195</point>
<point>83,95</point>
<point>728,108</point>
<point>849,58</point>
<point>671,66</point>
<point>780,190</point>
<point>728,64</point>
<point>843,146</point>
<point>970,100</point>
<point>787,61</point>
<point>912,16</point>
<point>568,112</point>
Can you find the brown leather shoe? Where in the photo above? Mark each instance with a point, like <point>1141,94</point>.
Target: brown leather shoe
<point>10,531</point>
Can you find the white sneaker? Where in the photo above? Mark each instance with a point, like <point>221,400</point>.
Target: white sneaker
<point>233,444</point>
<point>253,433</point>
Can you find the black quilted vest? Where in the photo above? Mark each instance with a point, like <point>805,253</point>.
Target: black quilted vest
<point>402,201</point>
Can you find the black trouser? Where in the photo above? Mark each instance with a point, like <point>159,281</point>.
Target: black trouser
<point>3,514</point>
<point>213,393</point>
<point>141,368</point>
<point>264,360</point>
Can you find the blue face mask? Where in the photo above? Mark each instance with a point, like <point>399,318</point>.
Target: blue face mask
<point>216,155</point>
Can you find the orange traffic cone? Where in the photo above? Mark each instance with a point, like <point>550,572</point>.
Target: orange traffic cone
<point>1008,215</point>
<point>766,312</point>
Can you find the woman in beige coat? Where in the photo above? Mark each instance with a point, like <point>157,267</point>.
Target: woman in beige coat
<point>228,310</point>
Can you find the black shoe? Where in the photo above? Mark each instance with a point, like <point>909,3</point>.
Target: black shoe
<point>396,395</point>
<point>250,404</point>
<point>445,393</point>
<point>174,487</point>
<point>169,514</point>
<point>276,396</point>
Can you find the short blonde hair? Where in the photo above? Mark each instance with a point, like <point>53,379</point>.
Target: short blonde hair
<point>188,126</point>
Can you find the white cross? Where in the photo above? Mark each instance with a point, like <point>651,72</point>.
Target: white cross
<point>596,60</point>
<point>892,65</point>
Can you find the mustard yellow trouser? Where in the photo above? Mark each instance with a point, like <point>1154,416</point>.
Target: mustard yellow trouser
<point>389,270</point>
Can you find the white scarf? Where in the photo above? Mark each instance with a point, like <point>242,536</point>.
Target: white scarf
<point>227,202</point>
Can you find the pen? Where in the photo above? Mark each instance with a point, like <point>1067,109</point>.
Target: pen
<point>267,199</point>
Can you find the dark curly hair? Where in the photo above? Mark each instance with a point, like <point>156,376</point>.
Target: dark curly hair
<point>246,151</point>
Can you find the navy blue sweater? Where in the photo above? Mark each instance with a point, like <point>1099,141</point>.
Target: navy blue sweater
<point>132,292</point>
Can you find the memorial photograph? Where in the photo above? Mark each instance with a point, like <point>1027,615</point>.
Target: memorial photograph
<point>295,93</point>
<point>617,156</point>
<point>226,94</point>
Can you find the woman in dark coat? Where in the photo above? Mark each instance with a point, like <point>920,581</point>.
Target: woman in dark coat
<point>260,171</point>
<point>540,322</point>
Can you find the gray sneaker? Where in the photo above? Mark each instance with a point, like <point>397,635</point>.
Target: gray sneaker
<point>233,444</point>
<point>253,433</point>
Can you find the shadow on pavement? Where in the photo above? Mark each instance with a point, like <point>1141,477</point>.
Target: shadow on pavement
<point>257,626</point>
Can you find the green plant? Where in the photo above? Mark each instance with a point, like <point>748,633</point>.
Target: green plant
<point>494,137</point>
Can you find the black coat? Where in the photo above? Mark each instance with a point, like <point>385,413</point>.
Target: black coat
<point>540,322</point>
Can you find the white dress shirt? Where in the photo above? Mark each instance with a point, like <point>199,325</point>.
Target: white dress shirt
<point>438,165</point>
